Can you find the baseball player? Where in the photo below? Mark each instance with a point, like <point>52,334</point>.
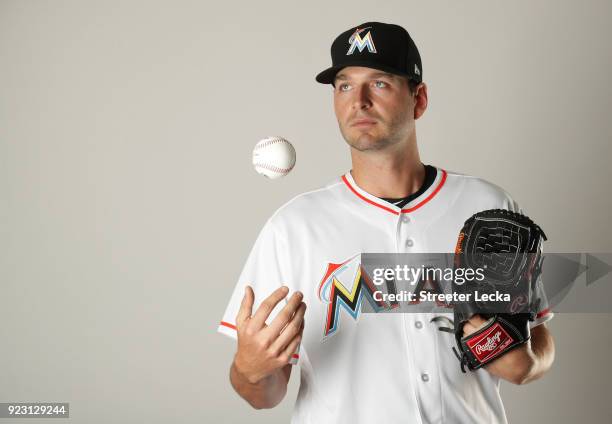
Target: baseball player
<point>298,299</point>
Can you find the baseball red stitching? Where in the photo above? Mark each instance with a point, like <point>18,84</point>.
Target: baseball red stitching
<point>269,142</point>
<point>273,168</point>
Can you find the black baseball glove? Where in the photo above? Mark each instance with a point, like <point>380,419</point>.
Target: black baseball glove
<point>506,248</point>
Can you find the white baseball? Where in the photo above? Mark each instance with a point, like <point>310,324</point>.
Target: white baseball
<point>273,157</point>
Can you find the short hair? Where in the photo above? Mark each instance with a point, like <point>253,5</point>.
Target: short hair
<point>412,85</point>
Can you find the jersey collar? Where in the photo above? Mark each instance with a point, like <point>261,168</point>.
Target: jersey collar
<point>415,204</point>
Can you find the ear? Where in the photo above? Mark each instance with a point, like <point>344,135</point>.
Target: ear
<point>420,98</point>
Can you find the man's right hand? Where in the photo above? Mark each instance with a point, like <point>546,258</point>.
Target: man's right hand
<point>265,349</point>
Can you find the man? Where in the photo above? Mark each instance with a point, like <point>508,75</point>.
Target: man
<point>357,367</point>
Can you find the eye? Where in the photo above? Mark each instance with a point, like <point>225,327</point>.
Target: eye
<point>380,84</point>
<point>343,87</point>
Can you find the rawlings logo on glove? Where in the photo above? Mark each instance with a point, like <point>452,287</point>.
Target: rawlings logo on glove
<point>484,346</point>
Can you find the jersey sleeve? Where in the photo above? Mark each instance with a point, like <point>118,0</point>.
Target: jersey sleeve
<point>266,269</point>
<point>544,313</point>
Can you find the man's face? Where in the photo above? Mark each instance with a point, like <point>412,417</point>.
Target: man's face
<point>374,109</point>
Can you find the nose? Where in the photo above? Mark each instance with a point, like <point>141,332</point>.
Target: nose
<point>361,99</point>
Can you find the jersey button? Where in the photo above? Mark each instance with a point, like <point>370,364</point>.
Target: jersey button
<point>409,242</point>
<point>425,377</point>
<point>418,324</point>
<point>405,219</point>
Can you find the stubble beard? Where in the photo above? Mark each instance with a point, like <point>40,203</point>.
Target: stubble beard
<point>376,140</point>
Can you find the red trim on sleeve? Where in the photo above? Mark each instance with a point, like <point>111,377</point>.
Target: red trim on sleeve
<point>233,327</point>
<point>543,313</point>
<point>227,324</point>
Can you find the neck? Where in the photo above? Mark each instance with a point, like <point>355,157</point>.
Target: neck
<point>390,173</point>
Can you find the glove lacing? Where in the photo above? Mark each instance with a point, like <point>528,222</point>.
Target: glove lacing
<point>462,357</point>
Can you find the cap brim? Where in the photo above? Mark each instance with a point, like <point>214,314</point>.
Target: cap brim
<point>327,76</point>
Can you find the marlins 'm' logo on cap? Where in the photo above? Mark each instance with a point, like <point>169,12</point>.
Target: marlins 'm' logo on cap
<point>356,41</point>
<point>376,45</point>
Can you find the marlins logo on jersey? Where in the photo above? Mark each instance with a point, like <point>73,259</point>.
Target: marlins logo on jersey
<point>343,286</point>
<point>359,43</point>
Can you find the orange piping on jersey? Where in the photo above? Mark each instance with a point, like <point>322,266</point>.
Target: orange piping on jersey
<point>366,199</point>
<point>233,327</point>
<point>433,193</point>
<point>415,207</point>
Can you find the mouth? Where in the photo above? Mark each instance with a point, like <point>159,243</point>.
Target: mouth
<point>363,123</point>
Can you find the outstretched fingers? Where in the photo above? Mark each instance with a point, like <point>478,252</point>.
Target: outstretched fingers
<point>293,329</point>
<point>246,307</point>
<point>258,320</point>
<point>285,315</point>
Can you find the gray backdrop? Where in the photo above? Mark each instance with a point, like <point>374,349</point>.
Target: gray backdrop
<point>128,203</point>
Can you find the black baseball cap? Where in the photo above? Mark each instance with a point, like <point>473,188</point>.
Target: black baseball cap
<point>386,47</point>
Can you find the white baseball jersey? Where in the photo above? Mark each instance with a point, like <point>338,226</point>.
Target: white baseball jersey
<point>371,368</point>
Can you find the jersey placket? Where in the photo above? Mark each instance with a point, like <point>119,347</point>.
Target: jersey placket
<point>420,339</point>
